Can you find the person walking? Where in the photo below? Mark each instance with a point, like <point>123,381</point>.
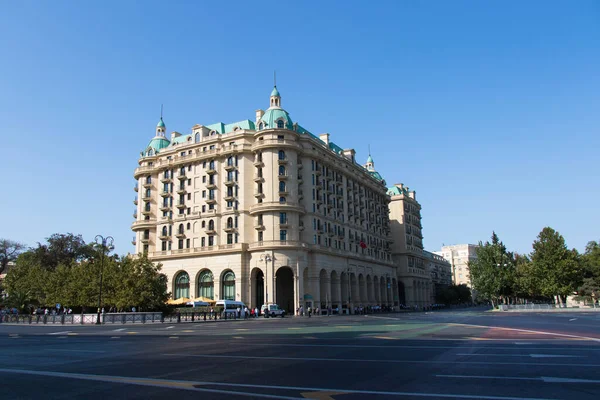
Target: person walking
<point>309,309</point>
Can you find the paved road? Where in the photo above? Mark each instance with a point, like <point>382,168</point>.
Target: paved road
<point>456,355</point>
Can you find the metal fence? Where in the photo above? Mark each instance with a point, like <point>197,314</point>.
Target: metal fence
<point>115,318</point>
<point>82,319</point>
<point>530,306</point>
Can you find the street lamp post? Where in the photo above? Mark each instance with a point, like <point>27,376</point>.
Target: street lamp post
<point>105,242</point>
<point>266,258</point>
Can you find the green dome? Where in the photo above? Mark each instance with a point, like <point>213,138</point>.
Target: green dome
<point>158,143</point>
<point>272,115</point>
<point>161,123</point>
<point>275,92</point>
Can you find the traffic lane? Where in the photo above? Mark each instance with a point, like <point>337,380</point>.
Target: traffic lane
<point>302,372</point>
<point>560,323</point>
<point>229,354</point>
<point>388,380</point>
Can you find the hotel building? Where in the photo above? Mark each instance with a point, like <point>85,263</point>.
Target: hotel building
<point>263,211</point>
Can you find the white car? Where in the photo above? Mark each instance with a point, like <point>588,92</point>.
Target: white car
<point>272,310</point>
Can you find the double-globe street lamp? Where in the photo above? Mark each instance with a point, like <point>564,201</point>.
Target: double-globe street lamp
<point>107,244</point>
<point>267,259</point>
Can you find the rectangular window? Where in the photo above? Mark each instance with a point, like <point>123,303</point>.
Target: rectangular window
<point>189,196</point>
<point>204,194</point>
<point>180,244</point>
<point>282,218</point>
<point>204,179</point>
<point>164,246</point>
<point>260,236</point>
<point>187,243</point>
<point>229,238</point>
<point>203,208</point>
<point>211,240</point>
<point>282,235</point>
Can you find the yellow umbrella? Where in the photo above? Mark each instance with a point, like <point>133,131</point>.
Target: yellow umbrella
<point>204,299</point>
<point>179,301</point>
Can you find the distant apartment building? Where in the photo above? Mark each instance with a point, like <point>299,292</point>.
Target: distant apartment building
<point>459,255</point>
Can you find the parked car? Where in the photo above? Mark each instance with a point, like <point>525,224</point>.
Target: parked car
<point>272,310</point>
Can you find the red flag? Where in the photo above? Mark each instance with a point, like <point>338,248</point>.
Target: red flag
<point>363,245</point>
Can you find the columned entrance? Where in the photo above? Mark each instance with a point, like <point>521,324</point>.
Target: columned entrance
<point>285,289</point>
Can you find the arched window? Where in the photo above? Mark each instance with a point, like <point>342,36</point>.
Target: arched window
<point>189,226</point>
<point>203,224</point>
<point>230,222</point>
<point>282,186</point>
<point>261,126</point>
<point>230,161</point>
<point>280,124</point>
<point>164,231</point>
<point>148,179</point>
<point>211,225</point>
<point>180,229</point>
<point>197,137</point>
<point>281,170</point>
<point>206,285</point>
<point>282,200</point>
<point>281,155</point>
<point>182,286</point>
<point>150,152</point>
<point>228,286</point>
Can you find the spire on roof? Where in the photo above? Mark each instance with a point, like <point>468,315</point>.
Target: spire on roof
<point>161,127</point>
<point>275,96</point>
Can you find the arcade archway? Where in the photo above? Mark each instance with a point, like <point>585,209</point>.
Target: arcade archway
<point>285,289</point>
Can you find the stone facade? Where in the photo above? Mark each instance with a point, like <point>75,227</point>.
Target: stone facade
<point>264,211</point>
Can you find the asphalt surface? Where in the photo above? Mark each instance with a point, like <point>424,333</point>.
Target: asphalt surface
<point>468,354</point>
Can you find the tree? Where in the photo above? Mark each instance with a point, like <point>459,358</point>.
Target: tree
<point>493,272</point>
<point>556,266</point>
<point>590,263</point>
<point>9,251</point>
<point>66,270</point>
<point>62,249</point>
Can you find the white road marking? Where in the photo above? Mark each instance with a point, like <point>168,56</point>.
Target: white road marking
<point>120,330</point>
<point>383,346</point>
<point>192,386</point>
<point>519,355</point>
<point>169,327</point>
<point>545,379</point>
<point>529,331</point>
<point>359,360</point>
<point>573,319</point>
<point>78,351</point>
<point>60,333</point>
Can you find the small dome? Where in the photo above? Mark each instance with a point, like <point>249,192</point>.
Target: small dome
<point>161,123</point>
<point>158,143</point>
<point>272,115</point>
<point>370,159</point>
<point>275,92</point>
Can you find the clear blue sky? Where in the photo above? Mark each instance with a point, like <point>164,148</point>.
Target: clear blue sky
<point>489,110</point>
